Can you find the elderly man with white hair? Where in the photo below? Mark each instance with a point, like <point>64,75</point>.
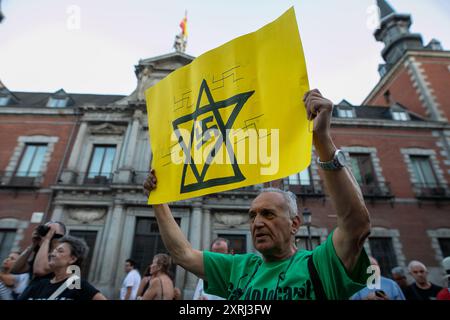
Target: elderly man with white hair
<point>335,270</point>
<point>421,289</point>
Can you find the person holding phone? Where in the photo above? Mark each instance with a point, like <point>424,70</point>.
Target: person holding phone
<point>388,290</point>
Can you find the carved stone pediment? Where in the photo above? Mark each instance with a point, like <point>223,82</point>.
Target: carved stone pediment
<point>107,129</point>
<point>231,220</point>
<point>86,216</point>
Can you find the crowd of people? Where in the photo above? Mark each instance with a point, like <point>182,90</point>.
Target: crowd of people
<point>157,281</point>
<point>397,287</point>
<point>335,270</point>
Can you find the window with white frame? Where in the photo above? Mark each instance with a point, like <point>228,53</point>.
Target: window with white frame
<point>31,161</point>
<point>400,116</point>
<point>102,161</point>
<point>345,113</point>
<point>423,170</point>
<point>302,178</point>
<point>7,237</point>
<point>362,168</point>
<point>57,102</point>
<point>4,101</point>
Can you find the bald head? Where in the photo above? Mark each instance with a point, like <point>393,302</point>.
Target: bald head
<point>416,264</point>
<point>220,245</point>
<point>419,272</point>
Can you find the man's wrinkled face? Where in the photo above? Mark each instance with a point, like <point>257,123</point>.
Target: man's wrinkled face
<point>419,274</point>
<point>270,224</point>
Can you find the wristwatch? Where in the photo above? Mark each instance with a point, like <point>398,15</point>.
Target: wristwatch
<point>339,161</point>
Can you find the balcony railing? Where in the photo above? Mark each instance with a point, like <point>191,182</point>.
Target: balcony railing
<point>17,179</point>
<point>380,190</point>
<point>303,188</point>
<point>434,191</point>
<point>96,178</point>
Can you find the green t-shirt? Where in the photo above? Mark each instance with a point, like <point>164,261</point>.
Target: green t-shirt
<point>248,277</point>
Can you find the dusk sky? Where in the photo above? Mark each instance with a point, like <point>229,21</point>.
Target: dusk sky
<point>41,49</point>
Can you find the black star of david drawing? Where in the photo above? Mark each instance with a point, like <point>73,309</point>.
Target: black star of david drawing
<point>211,107</point>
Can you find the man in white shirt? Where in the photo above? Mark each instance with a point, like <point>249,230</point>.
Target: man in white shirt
<point>131,282</point>
<point>220,245</point>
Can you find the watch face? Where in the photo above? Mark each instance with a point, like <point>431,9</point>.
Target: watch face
<point>341,158</point>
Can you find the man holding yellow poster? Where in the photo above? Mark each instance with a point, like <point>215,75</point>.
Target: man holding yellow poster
<point>226,120</point>
<point>338,267</point>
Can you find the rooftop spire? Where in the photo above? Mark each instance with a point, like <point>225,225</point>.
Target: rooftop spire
<point>394,32</point>
<point>385,8</point>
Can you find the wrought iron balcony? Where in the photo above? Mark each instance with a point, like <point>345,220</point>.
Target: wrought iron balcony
<point>377,190</point>
<point>17,179</point>
<point>302,188</point>
<point>85,179</point>
<point>433,191</point>
<point>96,178</point>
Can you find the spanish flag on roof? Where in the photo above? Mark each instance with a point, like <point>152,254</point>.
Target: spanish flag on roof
<point>183,26</point>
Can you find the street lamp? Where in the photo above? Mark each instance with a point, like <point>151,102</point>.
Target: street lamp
<point>1,14</point>
<point>307,216</point>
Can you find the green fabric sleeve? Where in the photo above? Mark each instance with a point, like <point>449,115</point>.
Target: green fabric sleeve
<point>339,284</point>
<point>218,271</point>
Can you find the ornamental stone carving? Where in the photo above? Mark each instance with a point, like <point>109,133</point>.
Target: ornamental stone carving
<point>231,220</point>
<point>87,216</point>
<point>107,129</point>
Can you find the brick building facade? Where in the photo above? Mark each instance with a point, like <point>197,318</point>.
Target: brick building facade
<point>37,131</point>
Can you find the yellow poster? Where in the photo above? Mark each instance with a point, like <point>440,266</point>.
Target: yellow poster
<point>233,117</point>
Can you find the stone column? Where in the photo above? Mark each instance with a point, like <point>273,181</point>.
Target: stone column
<point>110,248</point>
<point>69,174</point>
<point>206,230</point>
<point>132,141</point>
<point>76,150</point>
<point>129,149</point>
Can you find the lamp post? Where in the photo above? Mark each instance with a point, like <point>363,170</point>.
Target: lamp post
<point>307,215</point>
<point>1,14</point>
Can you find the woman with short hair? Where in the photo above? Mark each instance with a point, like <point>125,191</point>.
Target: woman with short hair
<point>67,257</point>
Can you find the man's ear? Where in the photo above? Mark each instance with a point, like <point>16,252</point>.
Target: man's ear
<point>296,222</point>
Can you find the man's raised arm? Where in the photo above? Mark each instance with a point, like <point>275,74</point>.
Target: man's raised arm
<point>175,241</point>
<point>353,222</point>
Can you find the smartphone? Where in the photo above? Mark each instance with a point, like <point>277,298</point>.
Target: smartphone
<point>380,293</point>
